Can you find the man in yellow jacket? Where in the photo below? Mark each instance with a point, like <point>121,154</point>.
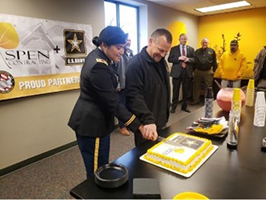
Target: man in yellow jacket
<point>232,66</point>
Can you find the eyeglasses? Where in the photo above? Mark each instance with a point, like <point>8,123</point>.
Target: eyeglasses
<point>233,44</point>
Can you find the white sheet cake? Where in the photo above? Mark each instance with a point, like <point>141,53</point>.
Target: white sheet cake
<point>183,153</point>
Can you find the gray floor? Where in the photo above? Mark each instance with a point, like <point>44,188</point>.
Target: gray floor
<point>53,177</point>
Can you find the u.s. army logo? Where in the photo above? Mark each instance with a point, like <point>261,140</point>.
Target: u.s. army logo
<point>74,42</point>
<point>75,49</point>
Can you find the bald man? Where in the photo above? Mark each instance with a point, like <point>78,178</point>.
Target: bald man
<point>204,69</point>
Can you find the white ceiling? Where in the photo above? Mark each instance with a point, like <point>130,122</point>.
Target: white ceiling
<point>189,6</point>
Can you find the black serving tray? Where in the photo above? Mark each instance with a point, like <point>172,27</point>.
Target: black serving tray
<point>111,175</point>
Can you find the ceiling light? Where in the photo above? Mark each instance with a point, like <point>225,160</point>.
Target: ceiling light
<point>223,6</point>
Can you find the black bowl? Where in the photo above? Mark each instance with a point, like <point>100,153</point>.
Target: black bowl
<point>111,175</point>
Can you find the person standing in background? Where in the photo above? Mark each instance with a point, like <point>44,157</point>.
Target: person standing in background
<point>120,68</point>
<point>147,84</point>
<point>205,67</point>
<point>260,68</point>
<point>183,59</point>
<point>128,51</point>
<point>232,66</point>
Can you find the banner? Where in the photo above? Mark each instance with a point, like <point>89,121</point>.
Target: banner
<point>39,56</point>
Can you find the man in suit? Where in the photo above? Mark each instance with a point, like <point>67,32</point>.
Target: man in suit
<point>183,59</point>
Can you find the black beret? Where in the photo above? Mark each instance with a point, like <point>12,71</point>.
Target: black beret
<point>112,35</point>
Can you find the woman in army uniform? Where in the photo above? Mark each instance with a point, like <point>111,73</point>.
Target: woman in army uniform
<point>92,118</point>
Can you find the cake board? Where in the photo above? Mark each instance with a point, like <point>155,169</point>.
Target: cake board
<point>187,175</point>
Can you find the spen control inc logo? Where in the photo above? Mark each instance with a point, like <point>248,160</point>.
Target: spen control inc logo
<point>7,82</point>
<point>75,48</point>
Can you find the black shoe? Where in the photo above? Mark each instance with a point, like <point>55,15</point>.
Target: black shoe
<point>186,110</point>
<point>172,111</point>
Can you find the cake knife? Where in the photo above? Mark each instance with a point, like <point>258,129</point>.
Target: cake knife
<point>162,139</point>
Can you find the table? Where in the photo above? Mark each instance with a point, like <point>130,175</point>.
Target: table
<point>227,173</point>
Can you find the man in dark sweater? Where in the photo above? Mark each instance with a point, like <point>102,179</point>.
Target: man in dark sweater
<point>147,84</point>
<point>204,69</point>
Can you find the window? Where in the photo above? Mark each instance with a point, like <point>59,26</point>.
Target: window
<point>124,16</point>
<point>110,14</point>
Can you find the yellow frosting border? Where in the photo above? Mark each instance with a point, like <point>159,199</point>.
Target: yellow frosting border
<point>178,168</point>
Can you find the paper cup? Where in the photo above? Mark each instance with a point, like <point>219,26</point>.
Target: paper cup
<point>259,116</point>
<point>260,99</point>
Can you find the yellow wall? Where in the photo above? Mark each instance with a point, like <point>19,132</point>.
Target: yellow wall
<point>176,28</point>
<point>251,24</point>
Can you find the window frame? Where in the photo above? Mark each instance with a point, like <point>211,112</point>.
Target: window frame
<point>117,3</point>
